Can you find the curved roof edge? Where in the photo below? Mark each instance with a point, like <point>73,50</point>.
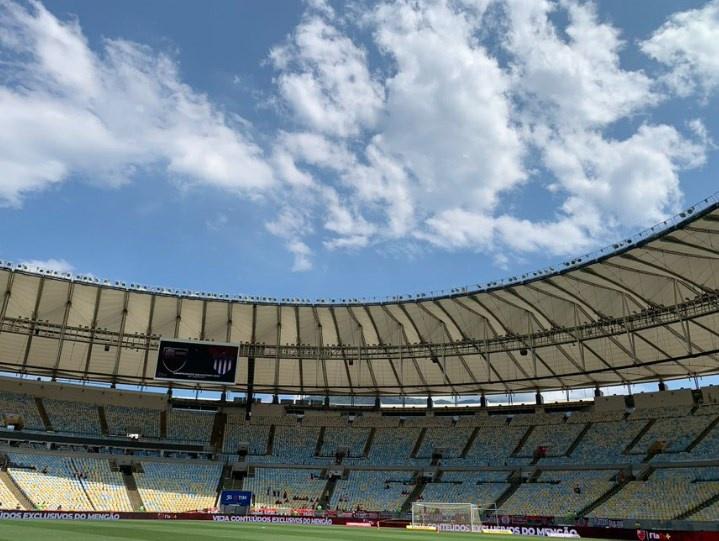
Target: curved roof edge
<point>639,239</point>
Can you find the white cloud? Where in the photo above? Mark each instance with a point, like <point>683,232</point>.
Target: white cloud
<point>302,253</point>
<point>324,78</point>
<point>456,128</point>
<point>687,43</point>
<point>448,113</point>
<point>55,265</point>
<point>574,81</point>
<point>70,111</point>
<point>470,102</point>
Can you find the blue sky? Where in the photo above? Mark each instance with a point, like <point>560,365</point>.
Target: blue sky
<point>347,149</point>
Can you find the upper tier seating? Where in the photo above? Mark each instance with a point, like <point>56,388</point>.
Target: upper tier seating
<point>24,405</point>
<point>493,446</point>
<point>238,431</point>
<point>73,417</point>
<point>190,426</point>
<point>392,446</point>
<point>678,432</point>
<point>605,442</point>
<point>352,438</point>
<point>122,420</point>
<point>555,437</point>
<point>294,445</point>
<point>452,441</point>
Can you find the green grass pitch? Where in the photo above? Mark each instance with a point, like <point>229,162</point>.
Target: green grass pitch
<point>150,530</point>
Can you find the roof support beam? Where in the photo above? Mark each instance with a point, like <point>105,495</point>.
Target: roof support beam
<point>118,351</point>
<point>299,343</point>
<point>319,344</point>
<point>93,331</point>
<point>33,324</point>
<point>339,343</point>
<point>403,335</point>
<point>278,341</point>
<point>363,343</point>
<point>383,346</point>
<point>471,376</point>
<point>148,336</point>
<point>65,316</point>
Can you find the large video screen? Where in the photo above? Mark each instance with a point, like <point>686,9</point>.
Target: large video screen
<point>196,361</point>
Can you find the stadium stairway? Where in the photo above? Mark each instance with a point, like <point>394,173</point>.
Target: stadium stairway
<point>604,497</point>
<point>639,436</point>
<point>578,439</point>
<point>103,421</point>
<point>368,443</point>
<point>82,484</point>
<point>686,515</point>
<point>270,440</point>
<point>217,436</point>
<point>328,491</point>
<point>523,440</point>
<point>515,483</point>
<point>132,493</point>
<point>163,424</point>
<point>43,414</point>
<point>470,442</point>
<point>16,491</point>
<point>418,443</point>
<point>420,483</point>
<point>702,435</point>
<point>320,441</point>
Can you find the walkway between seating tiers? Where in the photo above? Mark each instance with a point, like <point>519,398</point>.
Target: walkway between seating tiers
<point>16,491</point>
<point>132,493</point>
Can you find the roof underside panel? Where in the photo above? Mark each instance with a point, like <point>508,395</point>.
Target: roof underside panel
<point>648,311</point>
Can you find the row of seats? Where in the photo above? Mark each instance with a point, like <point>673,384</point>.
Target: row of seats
<point>285,488</point>
<point>178,487</point>
<point>372,491</point>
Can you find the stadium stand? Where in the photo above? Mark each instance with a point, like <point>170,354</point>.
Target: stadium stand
<point>237,432</point>
<point>104,487</point>
<point>285,488</point>
<point>180,487</point>
<point>190,426</point>
<point>122,420</point>
<point>392,446</point>
<point>73,417</point>
<point>480,488</point>
<point>353,439</point>
<point>665,495</point>
<point>23,405</point>
<point>372,490</point>
<point>294,445</point>
<point>557,494</point>
<point>600,442</point>
<point>51,482</point>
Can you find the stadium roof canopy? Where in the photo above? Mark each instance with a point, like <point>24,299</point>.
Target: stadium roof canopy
<point>644,309</point>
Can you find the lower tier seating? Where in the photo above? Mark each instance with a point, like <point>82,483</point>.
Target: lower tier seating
<point>285,488</point>
<point>178,487</point>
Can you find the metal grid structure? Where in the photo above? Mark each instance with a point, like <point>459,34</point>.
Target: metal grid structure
<point>646,310</point>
